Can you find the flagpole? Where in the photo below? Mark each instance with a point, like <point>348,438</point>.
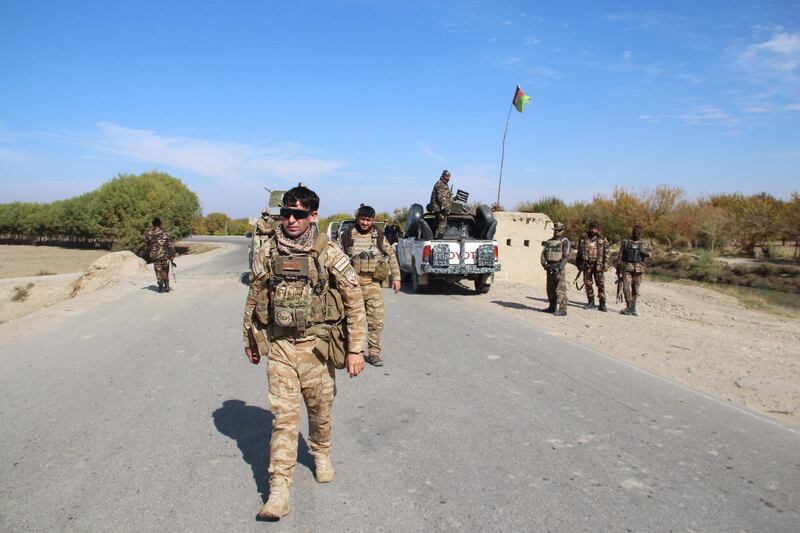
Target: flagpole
<point>503,154</point>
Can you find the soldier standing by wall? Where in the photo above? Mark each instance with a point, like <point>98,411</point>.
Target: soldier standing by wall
<point>440,203</point>
<point>630,266</point>
<point>291,317</point>
<point>161,250</point>
<point>592,259</point>
<point>373,259</point>
<point>555,253</point>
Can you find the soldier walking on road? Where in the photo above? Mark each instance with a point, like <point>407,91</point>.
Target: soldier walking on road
<point>592,259</point>
<point>373,259</point>
<point>555,253</point>
<point>630,266</point>
<point>440,203</point>
<point>304,313</point>
<point>161,251</point>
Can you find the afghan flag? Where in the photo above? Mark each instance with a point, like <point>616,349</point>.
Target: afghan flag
<point>520,99</point>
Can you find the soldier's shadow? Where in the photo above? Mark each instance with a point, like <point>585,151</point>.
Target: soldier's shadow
<point>251,427</point>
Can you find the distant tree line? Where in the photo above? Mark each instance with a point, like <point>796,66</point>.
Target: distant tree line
<point>115,216</point>
<point>736,221</point>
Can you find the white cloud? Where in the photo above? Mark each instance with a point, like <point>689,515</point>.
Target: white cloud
<point>792,107</point>
<point>781,53</point>
<point>507,23</point>
<point>758,109</point>
<point>532,40</point>
<point>215,159</point>
<point>626,55</point>
<point>428,151</point>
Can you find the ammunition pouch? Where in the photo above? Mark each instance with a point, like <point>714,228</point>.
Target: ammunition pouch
<point>381,271</point>
<point>331,344</point>
<point>259,337</point>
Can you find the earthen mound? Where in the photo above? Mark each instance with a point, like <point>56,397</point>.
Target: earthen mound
<point>109,269</point>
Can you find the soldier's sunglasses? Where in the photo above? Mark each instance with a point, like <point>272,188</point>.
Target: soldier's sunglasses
<point>298,214</point>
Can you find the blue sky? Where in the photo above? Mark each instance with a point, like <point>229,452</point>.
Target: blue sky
<point>369,101</point>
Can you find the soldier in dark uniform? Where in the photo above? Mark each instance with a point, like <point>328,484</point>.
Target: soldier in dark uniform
<point>630,266</point>
<point>161,250</point>
<point>440,203</point>
<point>555,253</point>
<point>592,260</point>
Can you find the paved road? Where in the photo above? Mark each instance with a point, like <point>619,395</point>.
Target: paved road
<point>141,414</point>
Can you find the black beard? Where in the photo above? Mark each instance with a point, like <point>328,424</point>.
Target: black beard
<point>361,231</point>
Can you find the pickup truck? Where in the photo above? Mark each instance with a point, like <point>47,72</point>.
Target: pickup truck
<point>466,250</point>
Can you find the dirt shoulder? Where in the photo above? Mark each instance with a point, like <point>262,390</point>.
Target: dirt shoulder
<point>695,336</point>
<point>19,261</point>
<point>35,277</point>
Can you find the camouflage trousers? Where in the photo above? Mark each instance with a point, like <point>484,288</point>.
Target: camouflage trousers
<point>557,289</point>
<point>630,286</point>
<point>594,274</point>
<point>441,225</point>
<point>295,369</point>
<point>161,266</point>
<point>373,305</point>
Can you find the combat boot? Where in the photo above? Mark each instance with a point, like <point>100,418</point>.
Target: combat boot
<point>160,286</point>
<point>590,305</point>
<point>323,468</point>
<point>560,312</point>
<point>602,307</point>
<point>633,309</point>
<point>375,360</point>
<point>278,503</point>
<point>551,308</point>
<point>627,311</point>
<point>166,286</point>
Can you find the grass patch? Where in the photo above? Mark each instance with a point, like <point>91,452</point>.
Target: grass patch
<point>44,273</point>
<point>705,268</point>
<point>21,293</point>
<point>778,303</point>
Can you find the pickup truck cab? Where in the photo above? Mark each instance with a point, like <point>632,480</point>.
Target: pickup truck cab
<point>466,251</point>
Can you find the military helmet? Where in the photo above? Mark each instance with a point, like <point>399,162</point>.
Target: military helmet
<point>558,226</point>
<point>445,173</point>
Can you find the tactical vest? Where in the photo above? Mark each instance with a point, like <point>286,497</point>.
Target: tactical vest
<point>297,295</point>
<point>590,250</point>
<point>366,255</point>
<point>631,251</point>
<point>554,250</point>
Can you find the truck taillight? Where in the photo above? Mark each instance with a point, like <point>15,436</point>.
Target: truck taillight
<point>496,253</point>
<point>426,253</point>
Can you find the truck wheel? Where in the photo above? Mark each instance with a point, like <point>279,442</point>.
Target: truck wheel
<point>415,286</point>
<point>405,276</point>
<point>481,284</point>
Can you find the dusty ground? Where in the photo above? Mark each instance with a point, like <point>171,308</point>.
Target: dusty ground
<point>33,277</point>
<point>18,261</point>
<point>695,336</point>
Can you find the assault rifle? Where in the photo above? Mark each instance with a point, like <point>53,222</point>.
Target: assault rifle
<point>174,267</point>
<point>620,295</point>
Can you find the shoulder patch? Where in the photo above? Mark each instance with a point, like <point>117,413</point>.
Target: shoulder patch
<point>342,264</point>
<point>350,275</point>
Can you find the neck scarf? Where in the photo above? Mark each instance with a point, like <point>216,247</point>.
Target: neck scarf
<point>301,245</point>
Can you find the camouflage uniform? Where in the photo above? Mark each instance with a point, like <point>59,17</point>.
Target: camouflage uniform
<point>440,205</point>
<point>555,253</point>
<point>593,254</point>
<point>265,229</point>
<point>295,367</point>
<point>161,251</point>
<point>365,253</point>
<point>631,265</point>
